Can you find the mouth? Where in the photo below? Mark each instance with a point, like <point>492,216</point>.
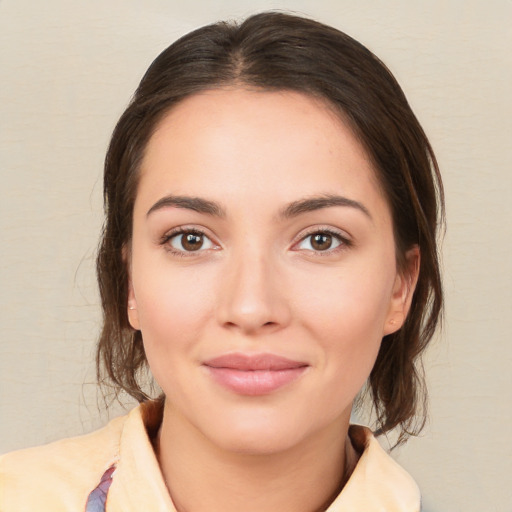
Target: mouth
<point>255,374</point>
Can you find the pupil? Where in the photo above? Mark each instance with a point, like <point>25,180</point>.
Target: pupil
<point>322,241</point>
<point>193,242</point>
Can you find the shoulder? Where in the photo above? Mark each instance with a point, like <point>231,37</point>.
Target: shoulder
<point>59,475</point>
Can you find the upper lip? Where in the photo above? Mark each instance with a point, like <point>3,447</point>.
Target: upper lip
<point>254,362</point>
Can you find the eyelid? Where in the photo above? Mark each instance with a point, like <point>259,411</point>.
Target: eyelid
<point>180,230</point>
<point>344,238</point>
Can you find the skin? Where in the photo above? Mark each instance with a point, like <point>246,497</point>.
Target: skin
<point>258,285</point>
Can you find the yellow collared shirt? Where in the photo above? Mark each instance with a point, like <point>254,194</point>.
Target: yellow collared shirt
<point>59,477</point>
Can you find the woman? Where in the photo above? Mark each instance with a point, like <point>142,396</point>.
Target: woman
<point>270,246</point>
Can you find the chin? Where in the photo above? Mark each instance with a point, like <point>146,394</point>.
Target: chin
<point>260,430</point>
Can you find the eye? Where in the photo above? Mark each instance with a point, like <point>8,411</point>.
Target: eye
<point>323,241</point>
<point>187,241</point>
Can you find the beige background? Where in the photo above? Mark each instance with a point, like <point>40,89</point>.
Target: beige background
<point>68,68</point>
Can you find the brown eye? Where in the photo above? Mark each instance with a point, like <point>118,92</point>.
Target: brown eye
<point>192,242</point>
<point>189,241</point>
<point>321,241</point>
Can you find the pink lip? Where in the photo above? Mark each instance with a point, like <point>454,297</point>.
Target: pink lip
<point>253,375</point>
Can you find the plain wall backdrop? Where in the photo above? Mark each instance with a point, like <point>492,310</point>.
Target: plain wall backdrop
<point>68,69</point>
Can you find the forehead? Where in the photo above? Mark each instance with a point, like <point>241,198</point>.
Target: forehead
<point>271,144</point>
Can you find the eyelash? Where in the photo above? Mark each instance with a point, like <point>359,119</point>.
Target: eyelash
<point>343,240</point>
<point>180,231</point>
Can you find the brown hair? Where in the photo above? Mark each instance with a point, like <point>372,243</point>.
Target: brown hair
<point>276,51</point>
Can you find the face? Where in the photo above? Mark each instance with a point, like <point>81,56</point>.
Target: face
<point>262,267</point>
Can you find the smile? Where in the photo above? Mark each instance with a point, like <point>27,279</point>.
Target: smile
<point>254,375</point>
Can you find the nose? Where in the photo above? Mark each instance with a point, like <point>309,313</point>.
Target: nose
<point>252,295</point>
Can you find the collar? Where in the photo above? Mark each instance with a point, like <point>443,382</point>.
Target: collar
<point>377,484</point>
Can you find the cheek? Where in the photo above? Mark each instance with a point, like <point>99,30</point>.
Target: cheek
<point>347,303</point>
<point>174,308</point>
<point>346,313</point>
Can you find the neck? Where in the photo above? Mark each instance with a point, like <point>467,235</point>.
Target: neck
<point>201,476</point>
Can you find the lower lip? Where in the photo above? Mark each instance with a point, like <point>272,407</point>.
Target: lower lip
<point>255,382</point>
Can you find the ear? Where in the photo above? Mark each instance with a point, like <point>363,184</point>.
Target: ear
<point>403,290</point>
<point>133,314</point>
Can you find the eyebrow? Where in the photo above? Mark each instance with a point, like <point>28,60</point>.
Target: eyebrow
<point>311,204</point>
<point>197,204</point>
<point>294,209</point>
